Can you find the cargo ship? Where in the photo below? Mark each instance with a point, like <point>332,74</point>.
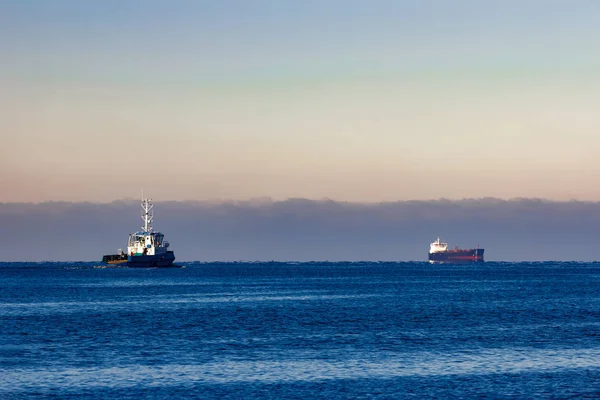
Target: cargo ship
<point>439,253</point>
<point>146,248</point>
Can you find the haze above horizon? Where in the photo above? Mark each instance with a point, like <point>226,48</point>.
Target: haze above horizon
<point>348,100</point>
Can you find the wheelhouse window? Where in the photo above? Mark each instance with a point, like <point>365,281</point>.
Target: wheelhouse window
<point>137,240</point>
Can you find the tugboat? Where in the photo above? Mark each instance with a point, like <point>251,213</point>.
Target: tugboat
<point>146,248</point>
<point>439,253</point>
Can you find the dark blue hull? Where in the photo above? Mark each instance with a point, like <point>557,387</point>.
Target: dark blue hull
<point>153,261</point>
<point>457,256</point>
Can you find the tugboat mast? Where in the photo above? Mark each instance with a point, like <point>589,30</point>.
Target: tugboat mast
<point>147,214</point>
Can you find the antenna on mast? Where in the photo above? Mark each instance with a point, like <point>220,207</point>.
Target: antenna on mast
<point>147,214</point>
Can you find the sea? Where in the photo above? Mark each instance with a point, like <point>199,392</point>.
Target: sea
<point>288,330</point>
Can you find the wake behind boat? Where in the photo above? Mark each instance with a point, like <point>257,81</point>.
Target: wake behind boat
<point>145,248</point>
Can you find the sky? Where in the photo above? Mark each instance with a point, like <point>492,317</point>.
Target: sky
<point>359,101</point>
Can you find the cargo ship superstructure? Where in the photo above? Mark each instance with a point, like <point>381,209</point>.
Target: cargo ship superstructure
<point>439,253</point>
<point>145,248</point>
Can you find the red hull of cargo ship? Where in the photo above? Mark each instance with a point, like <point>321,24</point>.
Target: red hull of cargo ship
<point>458,256</point>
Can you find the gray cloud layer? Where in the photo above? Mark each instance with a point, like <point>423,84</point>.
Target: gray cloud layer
<point>303,230</point>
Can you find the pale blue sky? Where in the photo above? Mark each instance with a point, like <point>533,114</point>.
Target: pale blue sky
<point>351,100</point>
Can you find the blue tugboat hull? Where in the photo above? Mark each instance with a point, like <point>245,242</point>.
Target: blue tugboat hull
<point>151,261</point>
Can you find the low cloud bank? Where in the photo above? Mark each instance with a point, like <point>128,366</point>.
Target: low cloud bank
<point>303,230</point>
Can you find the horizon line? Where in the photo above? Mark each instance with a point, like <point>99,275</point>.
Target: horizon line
<point>268,200</point>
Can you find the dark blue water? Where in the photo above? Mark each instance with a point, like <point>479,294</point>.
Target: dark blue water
<point>300,331</point>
